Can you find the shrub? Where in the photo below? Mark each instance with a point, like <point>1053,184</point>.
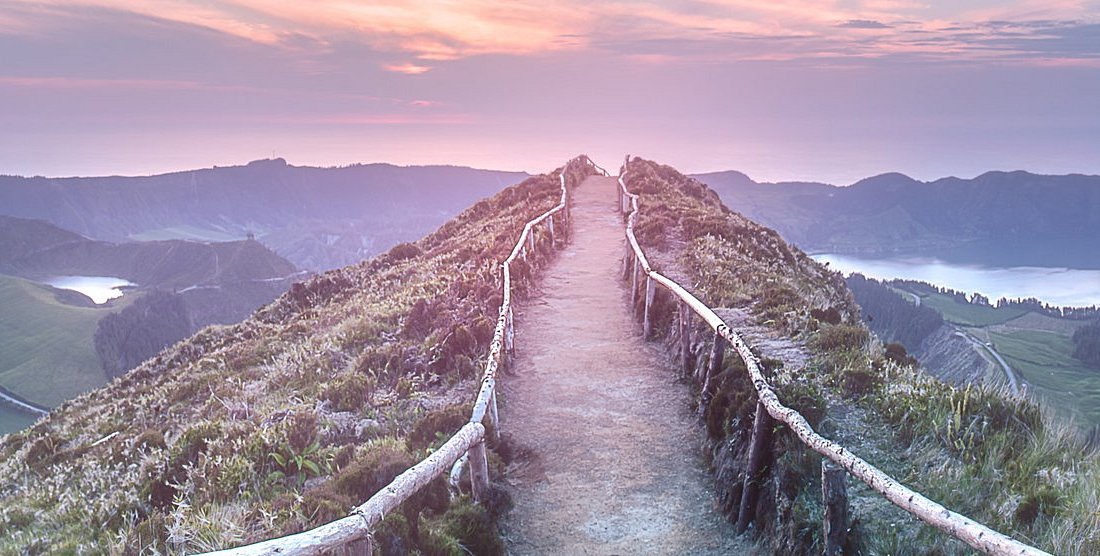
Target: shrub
<point>830,315</point>
<point>897,353</point>
<point>149,438</point>
<point>840,337</point>
<point>402,251</point>
<point>439,423</point>
<point>349,392</point>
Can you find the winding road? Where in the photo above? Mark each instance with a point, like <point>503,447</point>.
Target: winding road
<point>1013,383</point>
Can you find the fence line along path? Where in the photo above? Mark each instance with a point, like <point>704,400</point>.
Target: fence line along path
<point>609,459</point>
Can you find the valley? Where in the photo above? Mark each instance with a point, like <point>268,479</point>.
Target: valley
<point>110,306</point>
<point>1036,347</point>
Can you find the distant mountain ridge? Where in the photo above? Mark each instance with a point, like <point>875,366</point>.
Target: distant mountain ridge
<point>318,218</point>
<point>998,218</point>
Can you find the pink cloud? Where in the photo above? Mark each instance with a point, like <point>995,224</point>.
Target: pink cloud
<point>407,68</point>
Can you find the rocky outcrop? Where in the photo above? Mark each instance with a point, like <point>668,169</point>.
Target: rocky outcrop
<point>950,357</point>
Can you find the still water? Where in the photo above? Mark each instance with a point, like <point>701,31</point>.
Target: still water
<point>1063,287</point>
<point>99,288</point>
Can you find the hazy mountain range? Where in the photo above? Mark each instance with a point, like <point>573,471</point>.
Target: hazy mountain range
<point>997,218</point>
<point>318,218</point>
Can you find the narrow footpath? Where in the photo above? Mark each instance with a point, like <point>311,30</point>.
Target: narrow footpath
<point>609,450</point>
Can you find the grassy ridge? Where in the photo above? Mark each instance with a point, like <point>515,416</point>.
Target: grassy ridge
<point>46,349</point>
<point>979,451</point>
<point>288,419</point>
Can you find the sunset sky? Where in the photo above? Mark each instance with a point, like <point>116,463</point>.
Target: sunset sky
<point>809,90</point>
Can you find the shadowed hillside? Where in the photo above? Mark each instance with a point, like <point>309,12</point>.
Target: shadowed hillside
<point>319,218</point>
<point>997,218</point>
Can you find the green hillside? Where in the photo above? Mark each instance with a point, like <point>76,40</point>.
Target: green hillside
<point>13,420</point>
<point>1038,347</point>
<point>348,378</point>
<point>46,351</point>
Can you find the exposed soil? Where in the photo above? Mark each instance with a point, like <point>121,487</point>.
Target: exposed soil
<point>610,450</point>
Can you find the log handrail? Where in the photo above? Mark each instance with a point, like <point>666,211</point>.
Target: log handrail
<point>466,445</point>
<point>957,525</point>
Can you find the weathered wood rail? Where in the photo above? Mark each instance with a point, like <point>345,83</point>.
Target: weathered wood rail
<point>769,407</point>
<point>465,448</point>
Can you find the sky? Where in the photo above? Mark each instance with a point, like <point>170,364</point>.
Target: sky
<point>829,90</point>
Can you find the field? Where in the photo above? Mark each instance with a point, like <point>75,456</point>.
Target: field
<point>12,420</point>
<point>967,314</point>
<point>46,350</point>
<point>1036,346</point>
<point>1043,360</point>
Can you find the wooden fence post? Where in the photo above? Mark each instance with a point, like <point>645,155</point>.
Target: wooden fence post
<point>509,333</point>
<point>634,287</point>
<point>493,433</point>
<point>647,322</point>
<point>550,226</point>
<point>759,452</point>
<point>628,258</point>
<point>834,492</point>
<point>714,366</point>
<point>531,238</point>
<point>362,547</point>
<point>479,471</point>
<point>685,339</point>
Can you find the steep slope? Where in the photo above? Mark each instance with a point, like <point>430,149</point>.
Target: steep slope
<point>979,451</point>
<point>46,349</point>
<point>20,237</point>
<point>319,218</point>
<point>57,343</point>
<point>286,420</point>
<point>997,218</point>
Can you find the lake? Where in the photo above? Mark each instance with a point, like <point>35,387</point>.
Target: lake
<point>100,288</point>
<point>1063,287</point>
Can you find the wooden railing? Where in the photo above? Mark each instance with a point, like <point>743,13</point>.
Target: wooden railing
<point>769,407</point>
<point>466,447</point>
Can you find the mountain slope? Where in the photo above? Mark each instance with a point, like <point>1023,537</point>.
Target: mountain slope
<point>318,218</point>
<point>997,218</point>
<point>46,350</point>
<point>354,371</point>
<point>55,344</point>
<point>980,451</point>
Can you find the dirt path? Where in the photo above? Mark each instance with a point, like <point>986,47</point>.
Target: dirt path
<point>611,452</point>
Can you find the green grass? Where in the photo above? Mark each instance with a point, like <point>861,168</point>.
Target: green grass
<point>1044,360</point>
<point>46,349</point>
<point>968,314</point>
<point>12,420</point>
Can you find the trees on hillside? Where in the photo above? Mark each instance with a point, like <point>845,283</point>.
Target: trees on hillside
<point>1086,341</point>
<point>891,316</point>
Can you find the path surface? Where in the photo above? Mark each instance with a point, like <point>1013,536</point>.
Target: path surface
<point>610,452</point>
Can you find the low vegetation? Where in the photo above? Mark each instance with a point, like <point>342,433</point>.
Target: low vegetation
<point>287,420</point>
<point>979,451</point>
